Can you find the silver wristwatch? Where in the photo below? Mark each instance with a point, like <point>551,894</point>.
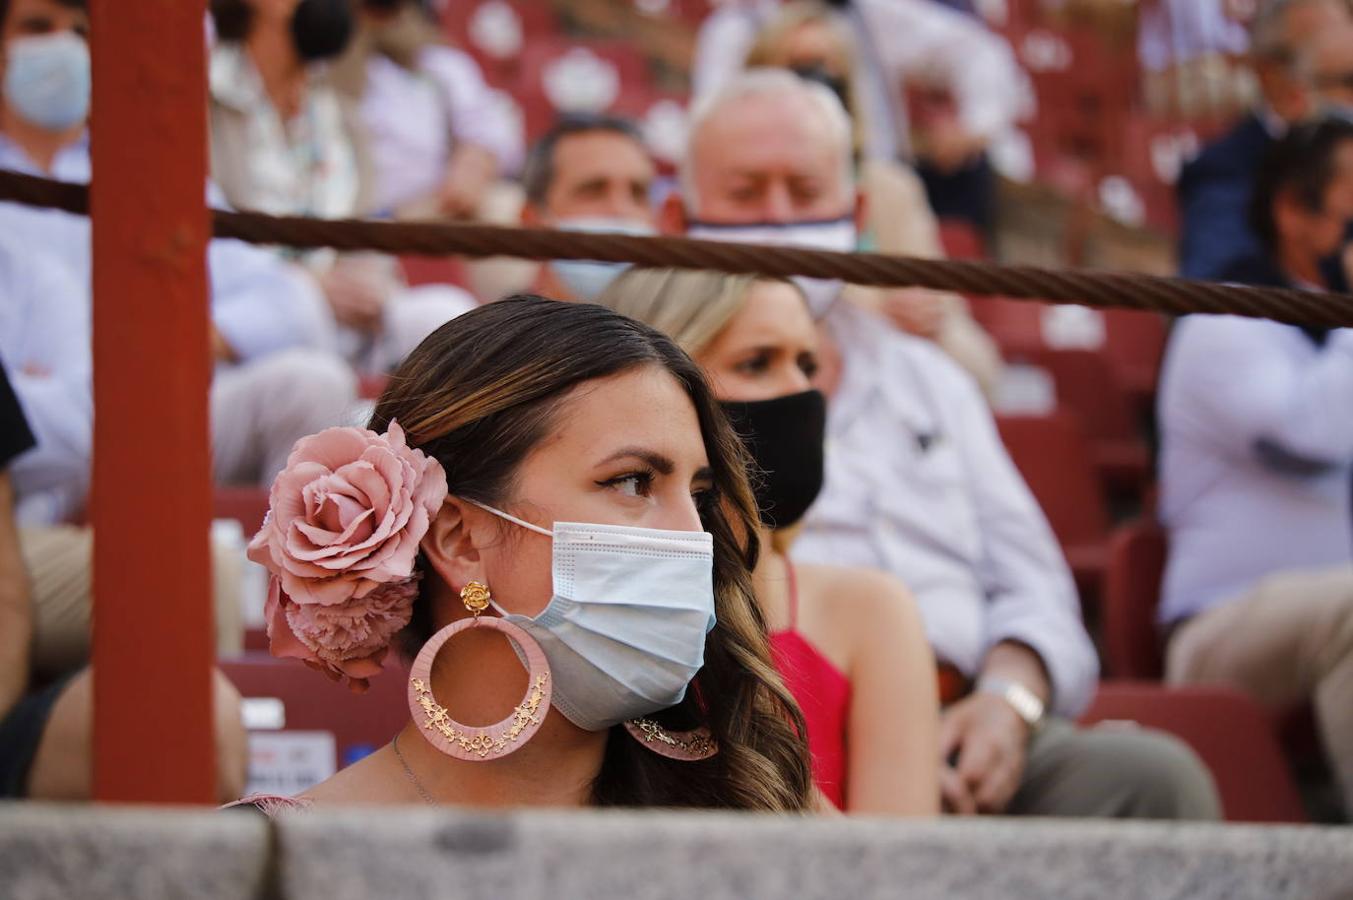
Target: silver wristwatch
<point>1023,701</point>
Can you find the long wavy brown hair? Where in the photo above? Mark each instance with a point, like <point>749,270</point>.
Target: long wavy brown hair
<point>479,395</point>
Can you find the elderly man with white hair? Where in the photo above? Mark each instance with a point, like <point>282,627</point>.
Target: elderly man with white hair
<point>918,484</point>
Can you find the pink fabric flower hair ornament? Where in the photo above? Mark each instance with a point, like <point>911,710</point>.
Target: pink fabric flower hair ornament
<point>341,540</point>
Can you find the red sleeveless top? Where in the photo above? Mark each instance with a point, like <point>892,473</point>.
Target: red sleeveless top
<point>823,693</point>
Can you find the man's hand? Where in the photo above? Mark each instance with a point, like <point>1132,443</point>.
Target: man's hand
<point>468,176</point>
<point>982,754</point>
<point>915,310</point>
<point>357,291</point>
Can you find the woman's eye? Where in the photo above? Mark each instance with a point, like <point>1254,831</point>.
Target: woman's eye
<point>756,365</point>
<point>635,484</point>
<point>808,365</point>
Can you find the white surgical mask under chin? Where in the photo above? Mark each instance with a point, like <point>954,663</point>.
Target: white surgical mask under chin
<point>586,278</point>
<point>832,234</point>
<point>47,79</point>
<point>624,631</point>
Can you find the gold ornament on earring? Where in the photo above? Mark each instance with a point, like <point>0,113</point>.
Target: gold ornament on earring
<point>476,597</point>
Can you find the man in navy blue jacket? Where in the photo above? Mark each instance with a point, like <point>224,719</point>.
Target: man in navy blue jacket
<point>1214,190</point>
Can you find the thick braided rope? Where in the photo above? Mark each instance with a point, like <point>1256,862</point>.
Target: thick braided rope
<point>1098,289</point>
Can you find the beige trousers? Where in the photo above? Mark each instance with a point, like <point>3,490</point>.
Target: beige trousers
<point>1287,640</point>
<point>58,561</point>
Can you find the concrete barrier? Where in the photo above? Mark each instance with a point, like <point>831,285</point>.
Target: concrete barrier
<point>96,853</point>
<point>388,854</point>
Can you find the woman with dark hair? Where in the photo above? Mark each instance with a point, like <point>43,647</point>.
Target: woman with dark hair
<point>560,476</point>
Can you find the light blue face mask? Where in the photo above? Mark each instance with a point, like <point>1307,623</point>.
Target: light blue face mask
<point>624,631</point>
<point>47,79</point>
<point>586,278</point>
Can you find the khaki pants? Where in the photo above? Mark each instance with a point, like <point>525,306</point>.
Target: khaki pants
<point>59,561</point>
<point>260,409</point>
<point>1112,771</point>
<point>1289,639</point>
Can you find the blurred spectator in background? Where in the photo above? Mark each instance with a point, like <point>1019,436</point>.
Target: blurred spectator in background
<point>808,38</point>
<point>1256,462</point>
<point>275,378</point>
<point>588,173</point>
<point>848,641</point>
<point>45,717</point>
<point>1329,66</point>
<point>283,142</point>
<point>919,485</point>
<point>438,138</point>
<point>1214,189</point>
<point>905,45</point>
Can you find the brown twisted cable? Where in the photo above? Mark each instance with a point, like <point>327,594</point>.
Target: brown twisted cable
<point>1098,289</point>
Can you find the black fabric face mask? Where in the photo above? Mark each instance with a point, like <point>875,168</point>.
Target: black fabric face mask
<point>321,29</point>
<point>785,437</point>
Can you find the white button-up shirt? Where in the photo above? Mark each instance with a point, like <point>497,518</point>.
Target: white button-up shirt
<point>413,119</point>
<point>44,341</point>
<point>919,484</point>
<point>1256,456</point>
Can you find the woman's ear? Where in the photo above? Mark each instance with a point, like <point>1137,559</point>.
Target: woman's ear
<point>449,546</point>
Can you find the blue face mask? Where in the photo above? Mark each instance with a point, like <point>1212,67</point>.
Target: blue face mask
<point>47,80</point>
<point>585,278</point>
<point>624,631</point>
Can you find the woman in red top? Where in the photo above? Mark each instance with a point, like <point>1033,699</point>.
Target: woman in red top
<point>848,642</point>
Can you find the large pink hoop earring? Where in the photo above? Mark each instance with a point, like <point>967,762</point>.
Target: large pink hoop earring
<point>684,746</point>
<point>463,741</point>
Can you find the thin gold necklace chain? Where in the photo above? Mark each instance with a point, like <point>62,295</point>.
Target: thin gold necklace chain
<point>418,785</point>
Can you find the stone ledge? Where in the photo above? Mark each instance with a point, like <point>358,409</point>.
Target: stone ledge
<point>97,853</point>
<point>712,857</point>
<point>92,853</point>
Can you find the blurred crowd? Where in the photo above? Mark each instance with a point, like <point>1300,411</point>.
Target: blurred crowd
<point>947,661</point>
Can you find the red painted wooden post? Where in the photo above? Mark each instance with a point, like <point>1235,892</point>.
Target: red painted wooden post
<point>153,643</point>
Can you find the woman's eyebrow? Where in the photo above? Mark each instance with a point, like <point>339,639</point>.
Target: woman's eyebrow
<point>705,474</point>
<point>660,463</point>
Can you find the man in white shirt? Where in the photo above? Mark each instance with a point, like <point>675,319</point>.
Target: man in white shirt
<point>918,484</point>
<point>1257,455</point>
<point>276,379</point>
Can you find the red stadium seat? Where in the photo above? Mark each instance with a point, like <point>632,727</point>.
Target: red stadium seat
<point>313,703</point>
<point>559,76</point>
<point>1052,455</point>
<point>246,505</point>
<point>1231,732</point>
<point>1087,386</point>
<point>1134,343</point>
<point>1136,564</point>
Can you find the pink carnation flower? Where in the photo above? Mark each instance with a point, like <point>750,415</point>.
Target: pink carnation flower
<point>341,539</point>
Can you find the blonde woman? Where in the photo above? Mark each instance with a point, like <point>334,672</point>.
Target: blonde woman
<point>848,642</point>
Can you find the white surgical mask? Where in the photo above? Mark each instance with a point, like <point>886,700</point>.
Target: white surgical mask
<point>586,278</point>
<point>624,631</point>
<point>832,234</point>
<point>47,79</point>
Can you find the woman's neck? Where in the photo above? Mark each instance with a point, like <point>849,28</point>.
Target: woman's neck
<point>770,582</point>
<point>556,767</point>
<point>281,68</point>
